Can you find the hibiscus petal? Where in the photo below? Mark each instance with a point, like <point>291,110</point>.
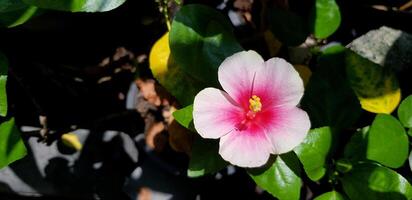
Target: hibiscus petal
<point>289,130</point>
<point>236,74</point>
<point>245,148</point>
<point>278,84</point>
<point>215,113</point>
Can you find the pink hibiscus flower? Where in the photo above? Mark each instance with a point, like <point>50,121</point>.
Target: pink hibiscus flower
<point>256,115</point>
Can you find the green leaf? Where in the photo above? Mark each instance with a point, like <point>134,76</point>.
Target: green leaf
<point>328,98</point>
<point>376,87</point>
<point>355,149</point>
<point>3,80</point>
<point>184,116</point>
<point>281,179</point>
<point>200,39</point>
<point>369,181</point>
<point>77,5</point>
<point>288,27</point>
<point>410,132</point>
<point>17,16</point>
<point>405,112</point>
<point>387,141</point>
<point>11,145</point>
<point>325,18</point>
<point>180,84</point>
<point>332,195</point>
<point>11,5</point>
<point>313,152</point>
<point>205,158</point>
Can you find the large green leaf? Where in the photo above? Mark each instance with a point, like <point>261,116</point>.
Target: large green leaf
<point>387,141</point>
<point>328,98</point>
<point>288,27</point>
<point>205,158</point>
<point>405,112</point>
<point>313,152</point>
<point>77,5</point>
<point>184,116</point>
<point>281,179</point>
<point>369,181</point>
<point>3,80</point>
<point>16,16</point>
<point>11,145</point>
<point>200,39</point>
<point>325,18</point>
<point>332,195</point>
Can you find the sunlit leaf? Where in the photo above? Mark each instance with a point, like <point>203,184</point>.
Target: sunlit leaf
<point>11,145</point>
<point>387,141</point>
<point>332,195</point>
<point>405,112</point>
<point>3,80</point>
<point>184,116</point>
<point>314,151</point>
<point>77,5</point>
<point>369,181</point>
<point>281,179</point>
<point>17,16</point>
<point>325,18</point>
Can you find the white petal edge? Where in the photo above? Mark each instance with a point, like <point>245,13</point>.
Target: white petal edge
<point>245,149</point>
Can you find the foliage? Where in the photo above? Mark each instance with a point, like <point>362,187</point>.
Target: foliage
<point>361,155</point>
<point>342,84</point>
<point>281,179</point>
<point>11,145</point>
<point>3,80</point>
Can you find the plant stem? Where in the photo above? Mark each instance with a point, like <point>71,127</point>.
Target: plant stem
<point>165,11</point>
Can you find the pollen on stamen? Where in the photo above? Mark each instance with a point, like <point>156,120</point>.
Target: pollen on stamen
<point>254,104</point>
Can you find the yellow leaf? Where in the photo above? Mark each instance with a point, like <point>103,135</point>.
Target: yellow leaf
<point>159,56</point>
<point>71,140</point>
<point>376,87</point>
<point>181,85</point>
<point>382,104</point>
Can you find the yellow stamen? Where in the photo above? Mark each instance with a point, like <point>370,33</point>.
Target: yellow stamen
<point>254,104</point>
